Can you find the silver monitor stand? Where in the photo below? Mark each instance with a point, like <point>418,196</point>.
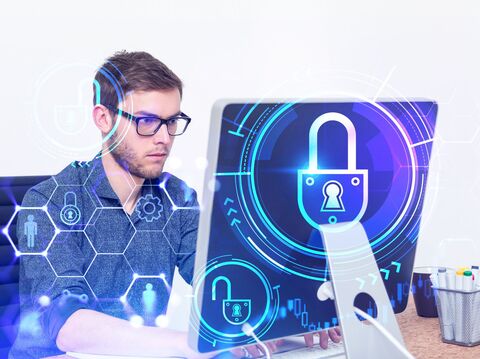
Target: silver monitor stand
<point>350,257</point>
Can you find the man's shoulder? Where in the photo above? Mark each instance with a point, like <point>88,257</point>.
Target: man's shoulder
<point>179,190</point>
<point>38,195</point>
<point>76,173</point>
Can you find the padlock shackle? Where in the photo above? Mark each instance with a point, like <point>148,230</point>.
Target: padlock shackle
<point>72,195</point>
<point>313,139</point>
<point>214,287</point>
<point>82,87</point>
<point>98,91</point>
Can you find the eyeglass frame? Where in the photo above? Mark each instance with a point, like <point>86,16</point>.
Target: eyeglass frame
<point>137,119</point>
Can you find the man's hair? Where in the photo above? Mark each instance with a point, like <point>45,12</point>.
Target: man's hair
<point>131,71</point>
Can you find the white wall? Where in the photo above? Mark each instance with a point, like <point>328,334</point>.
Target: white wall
<point>253,49</point>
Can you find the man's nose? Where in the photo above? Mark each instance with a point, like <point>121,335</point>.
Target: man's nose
<point>162,135</point>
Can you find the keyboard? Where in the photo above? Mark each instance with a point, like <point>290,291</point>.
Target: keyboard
<point>295,348</point>
<point>291,348</point>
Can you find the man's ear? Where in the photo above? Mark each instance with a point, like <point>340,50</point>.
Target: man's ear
<point>102,118</point>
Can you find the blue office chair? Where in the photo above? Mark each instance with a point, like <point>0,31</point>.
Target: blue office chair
<point>12,190</point>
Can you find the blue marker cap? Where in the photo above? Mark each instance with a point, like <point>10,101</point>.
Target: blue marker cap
<point>442,270</point>
<point>475,267</point>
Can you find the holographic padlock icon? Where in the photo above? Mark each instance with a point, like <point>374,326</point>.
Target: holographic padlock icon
<point>70,213</point>
<point>328,196</point>
<point>72,119</point>
<point>235,311</point>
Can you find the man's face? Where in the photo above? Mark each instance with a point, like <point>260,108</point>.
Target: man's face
<point>144,156</point>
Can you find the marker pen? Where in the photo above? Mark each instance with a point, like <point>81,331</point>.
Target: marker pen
<point>475,272</point>
<point>467,305</point>
<point>451,296</point>
<point>451,280</point>
<point>445,310</point>
<point>459,279</point>
<point>442,278</point>
<point>467,281</point>
<point>459,306</point>
<point>476,296</point>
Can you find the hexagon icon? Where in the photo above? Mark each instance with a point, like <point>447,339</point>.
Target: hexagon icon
<point>71,207</point>
<point>109,276</point>
<point>30,230</point>
<point>110,230</point>
<point>72,289</point>
<point>148,297</point>
<point>149,253</point>
<point>70,253</point>
<point>152,208</point>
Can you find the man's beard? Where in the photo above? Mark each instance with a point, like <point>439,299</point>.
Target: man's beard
<point>129,161</point>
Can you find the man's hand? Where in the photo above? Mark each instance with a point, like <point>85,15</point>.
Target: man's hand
<point>334,334</point>
<point>255,350</point>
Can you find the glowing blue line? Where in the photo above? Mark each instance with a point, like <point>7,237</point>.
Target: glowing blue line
<point>245,119</point>
<point>264,254</point>
<point>232,174</point>
<point>421,143</point>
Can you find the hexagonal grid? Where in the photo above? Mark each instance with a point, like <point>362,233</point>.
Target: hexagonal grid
<point>136,276</point>
<point>6,230</point>
<point>91,229</point>
<point>98,206</point>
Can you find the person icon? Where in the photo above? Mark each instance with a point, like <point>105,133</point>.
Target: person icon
<point>30,230</point>
<point>149,297</point>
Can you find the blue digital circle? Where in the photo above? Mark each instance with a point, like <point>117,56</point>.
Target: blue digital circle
<point>388,214</point>
<point>235,262</point>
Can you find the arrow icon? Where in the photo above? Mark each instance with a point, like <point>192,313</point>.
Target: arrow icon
<point>230,211</point>
<point>235,221</point>
<point>227,201</point>
<point>362,282</point>
<point>398,265</point>
<point>374,278</point>
<point>386,271</point>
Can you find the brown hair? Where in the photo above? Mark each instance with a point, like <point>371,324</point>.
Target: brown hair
<point>131,71</point>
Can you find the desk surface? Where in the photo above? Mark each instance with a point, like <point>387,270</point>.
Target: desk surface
<point>422,338</point>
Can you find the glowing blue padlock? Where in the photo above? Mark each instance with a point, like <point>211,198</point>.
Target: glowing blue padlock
<point>332,195</point>
<point>235,311</point>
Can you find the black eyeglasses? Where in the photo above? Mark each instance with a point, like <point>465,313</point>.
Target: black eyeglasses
<point>149,125</point>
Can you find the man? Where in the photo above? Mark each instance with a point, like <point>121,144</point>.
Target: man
<point>119,214</point>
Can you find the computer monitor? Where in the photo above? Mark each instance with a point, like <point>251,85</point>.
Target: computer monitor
<point>277,169</point>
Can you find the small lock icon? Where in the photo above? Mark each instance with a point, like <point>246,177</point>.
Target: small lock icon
<point>73,119</point>
<point>328,196</point>
<point>70,214</point>
<point>235,311</point>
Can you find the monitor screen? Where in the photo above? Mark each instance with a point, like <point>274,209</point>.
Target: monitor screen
<point>278,170</point>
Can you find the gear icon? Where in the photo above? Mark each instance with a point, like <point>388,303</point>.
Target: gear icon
<point>149,208</point>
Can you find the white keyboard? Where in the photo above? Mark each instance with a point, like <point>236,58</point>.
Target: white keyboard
<point>296,349</point>
<point>292,348</point>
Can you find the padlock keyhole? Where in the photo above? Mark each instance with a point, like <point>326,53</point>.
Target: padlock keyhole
<point>237,310</point>
<point>333,197</point>
<point>333,191</point>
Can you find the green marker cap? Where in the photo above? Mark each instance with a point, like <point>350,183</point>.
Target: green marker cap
<point>467,273</point>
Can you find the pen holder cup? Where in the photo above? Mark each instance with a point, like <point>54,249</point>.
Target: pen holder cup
<point>459,315</point>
